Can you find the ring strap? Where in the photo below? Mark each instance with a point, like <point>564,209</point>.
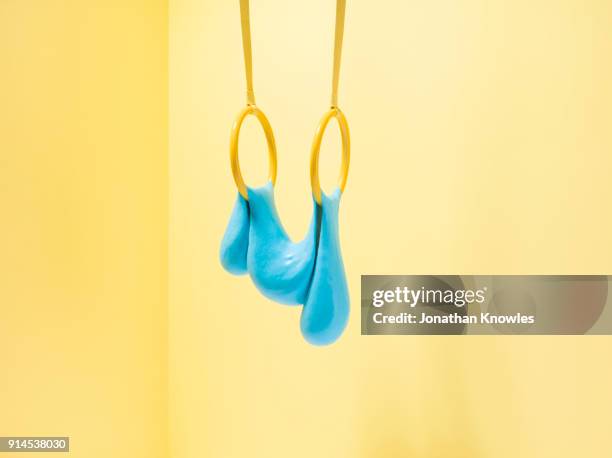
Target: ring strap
<point>340,8</point>
<point>248,55</point>
<point>246,46</point>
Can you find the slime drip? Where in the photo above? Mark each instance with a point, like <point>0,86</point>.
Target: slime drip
<point>235,243</point>
<point>326,310</point>
<point>309,272</point>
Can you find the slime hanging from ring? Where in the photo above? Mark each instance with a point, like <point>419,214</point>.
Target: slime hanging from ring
<point>309,272</point>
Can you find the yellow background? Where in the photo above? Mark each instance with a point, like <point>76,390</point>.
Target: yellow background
<point>83,245</point>
<point>481,144</point>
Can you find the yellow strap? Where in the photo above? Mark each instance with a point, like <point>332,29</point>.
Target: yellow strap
<point>246,46</point>
<point>340,8</point>
<point>248,59</point>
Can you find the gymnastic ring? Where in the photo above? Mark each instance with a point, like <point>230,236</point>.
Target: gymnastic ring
<point>315,183</point>
<point>235,163</point>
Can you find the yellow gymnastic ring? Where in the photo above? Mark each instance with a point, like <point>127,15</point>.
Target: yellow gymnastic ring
<point>316,148</point>
<point>235,163</point>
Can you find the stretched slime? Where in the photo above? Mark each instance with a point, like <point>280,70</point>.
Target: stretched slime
<point>309,273</point>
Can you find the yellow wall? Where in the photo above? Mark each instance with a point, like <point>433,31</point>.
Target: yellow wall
<point>481,144</point>
<point>83,196</point>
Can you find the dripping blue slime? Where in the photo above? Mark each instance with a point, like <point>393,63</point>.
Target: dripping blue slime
<point>308,273</point>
